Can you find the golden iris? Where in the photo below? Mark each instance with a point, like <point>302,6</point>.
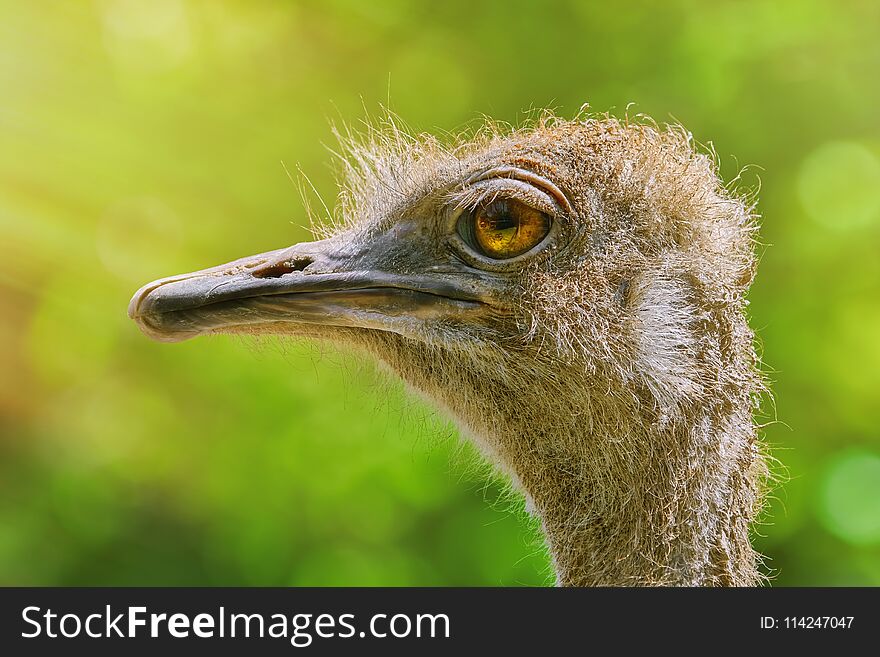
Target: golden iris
<point>506,228</point>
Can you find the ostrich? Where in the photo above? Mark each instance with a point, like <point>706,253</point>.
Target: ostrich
<point>572,294</point>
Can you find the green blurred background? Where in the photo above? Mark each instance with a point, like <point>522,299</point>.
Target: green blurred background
<point>144,138</point>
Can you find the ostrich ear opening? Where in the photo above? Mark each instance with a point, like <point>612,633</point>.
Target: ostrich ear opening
<point>664,339</point>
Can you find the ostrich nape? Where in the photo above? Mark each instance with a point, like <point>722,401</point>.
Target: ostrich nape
<point>573,295</point>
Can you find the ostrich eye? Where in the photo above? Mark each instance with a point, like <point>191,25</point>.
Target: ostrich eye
<point>504,228</point>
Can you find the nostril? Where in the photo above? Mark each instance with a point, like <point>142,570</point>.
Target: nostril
<point>279,269</point>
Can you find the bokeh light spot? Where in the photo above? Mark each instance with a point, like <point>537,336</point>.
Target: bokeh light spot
<point>838,185</point>
<point>850,497</point>
<point>138,239</point>
<point>146,36</point>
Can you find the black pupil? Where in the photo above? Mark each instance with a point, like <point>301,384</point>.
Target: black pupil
<point>499,216</point>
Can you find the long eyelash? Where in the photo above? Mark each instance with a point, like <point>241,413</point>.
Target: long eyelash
<point>491,190</point>
<point>475,196</point>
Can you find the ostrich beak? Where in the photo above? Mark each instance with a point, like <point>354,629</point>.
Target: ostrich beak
<point>308,283</point>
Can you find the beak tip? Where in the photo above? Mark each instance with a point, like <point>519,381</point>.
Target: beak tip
<point>142,302</point>
<point>134,304</point>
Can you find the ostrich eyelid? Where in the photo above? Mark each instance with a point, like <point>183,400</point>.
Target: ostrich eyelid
<point>515,173</point>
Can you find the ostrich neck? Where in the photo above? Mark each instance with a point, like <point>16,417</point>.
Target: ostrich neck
<point>625,496</point>
<point>669,507</point>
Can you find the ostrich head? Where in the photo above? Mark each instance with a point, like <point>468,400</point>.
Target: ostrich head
<point>573,295</point>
